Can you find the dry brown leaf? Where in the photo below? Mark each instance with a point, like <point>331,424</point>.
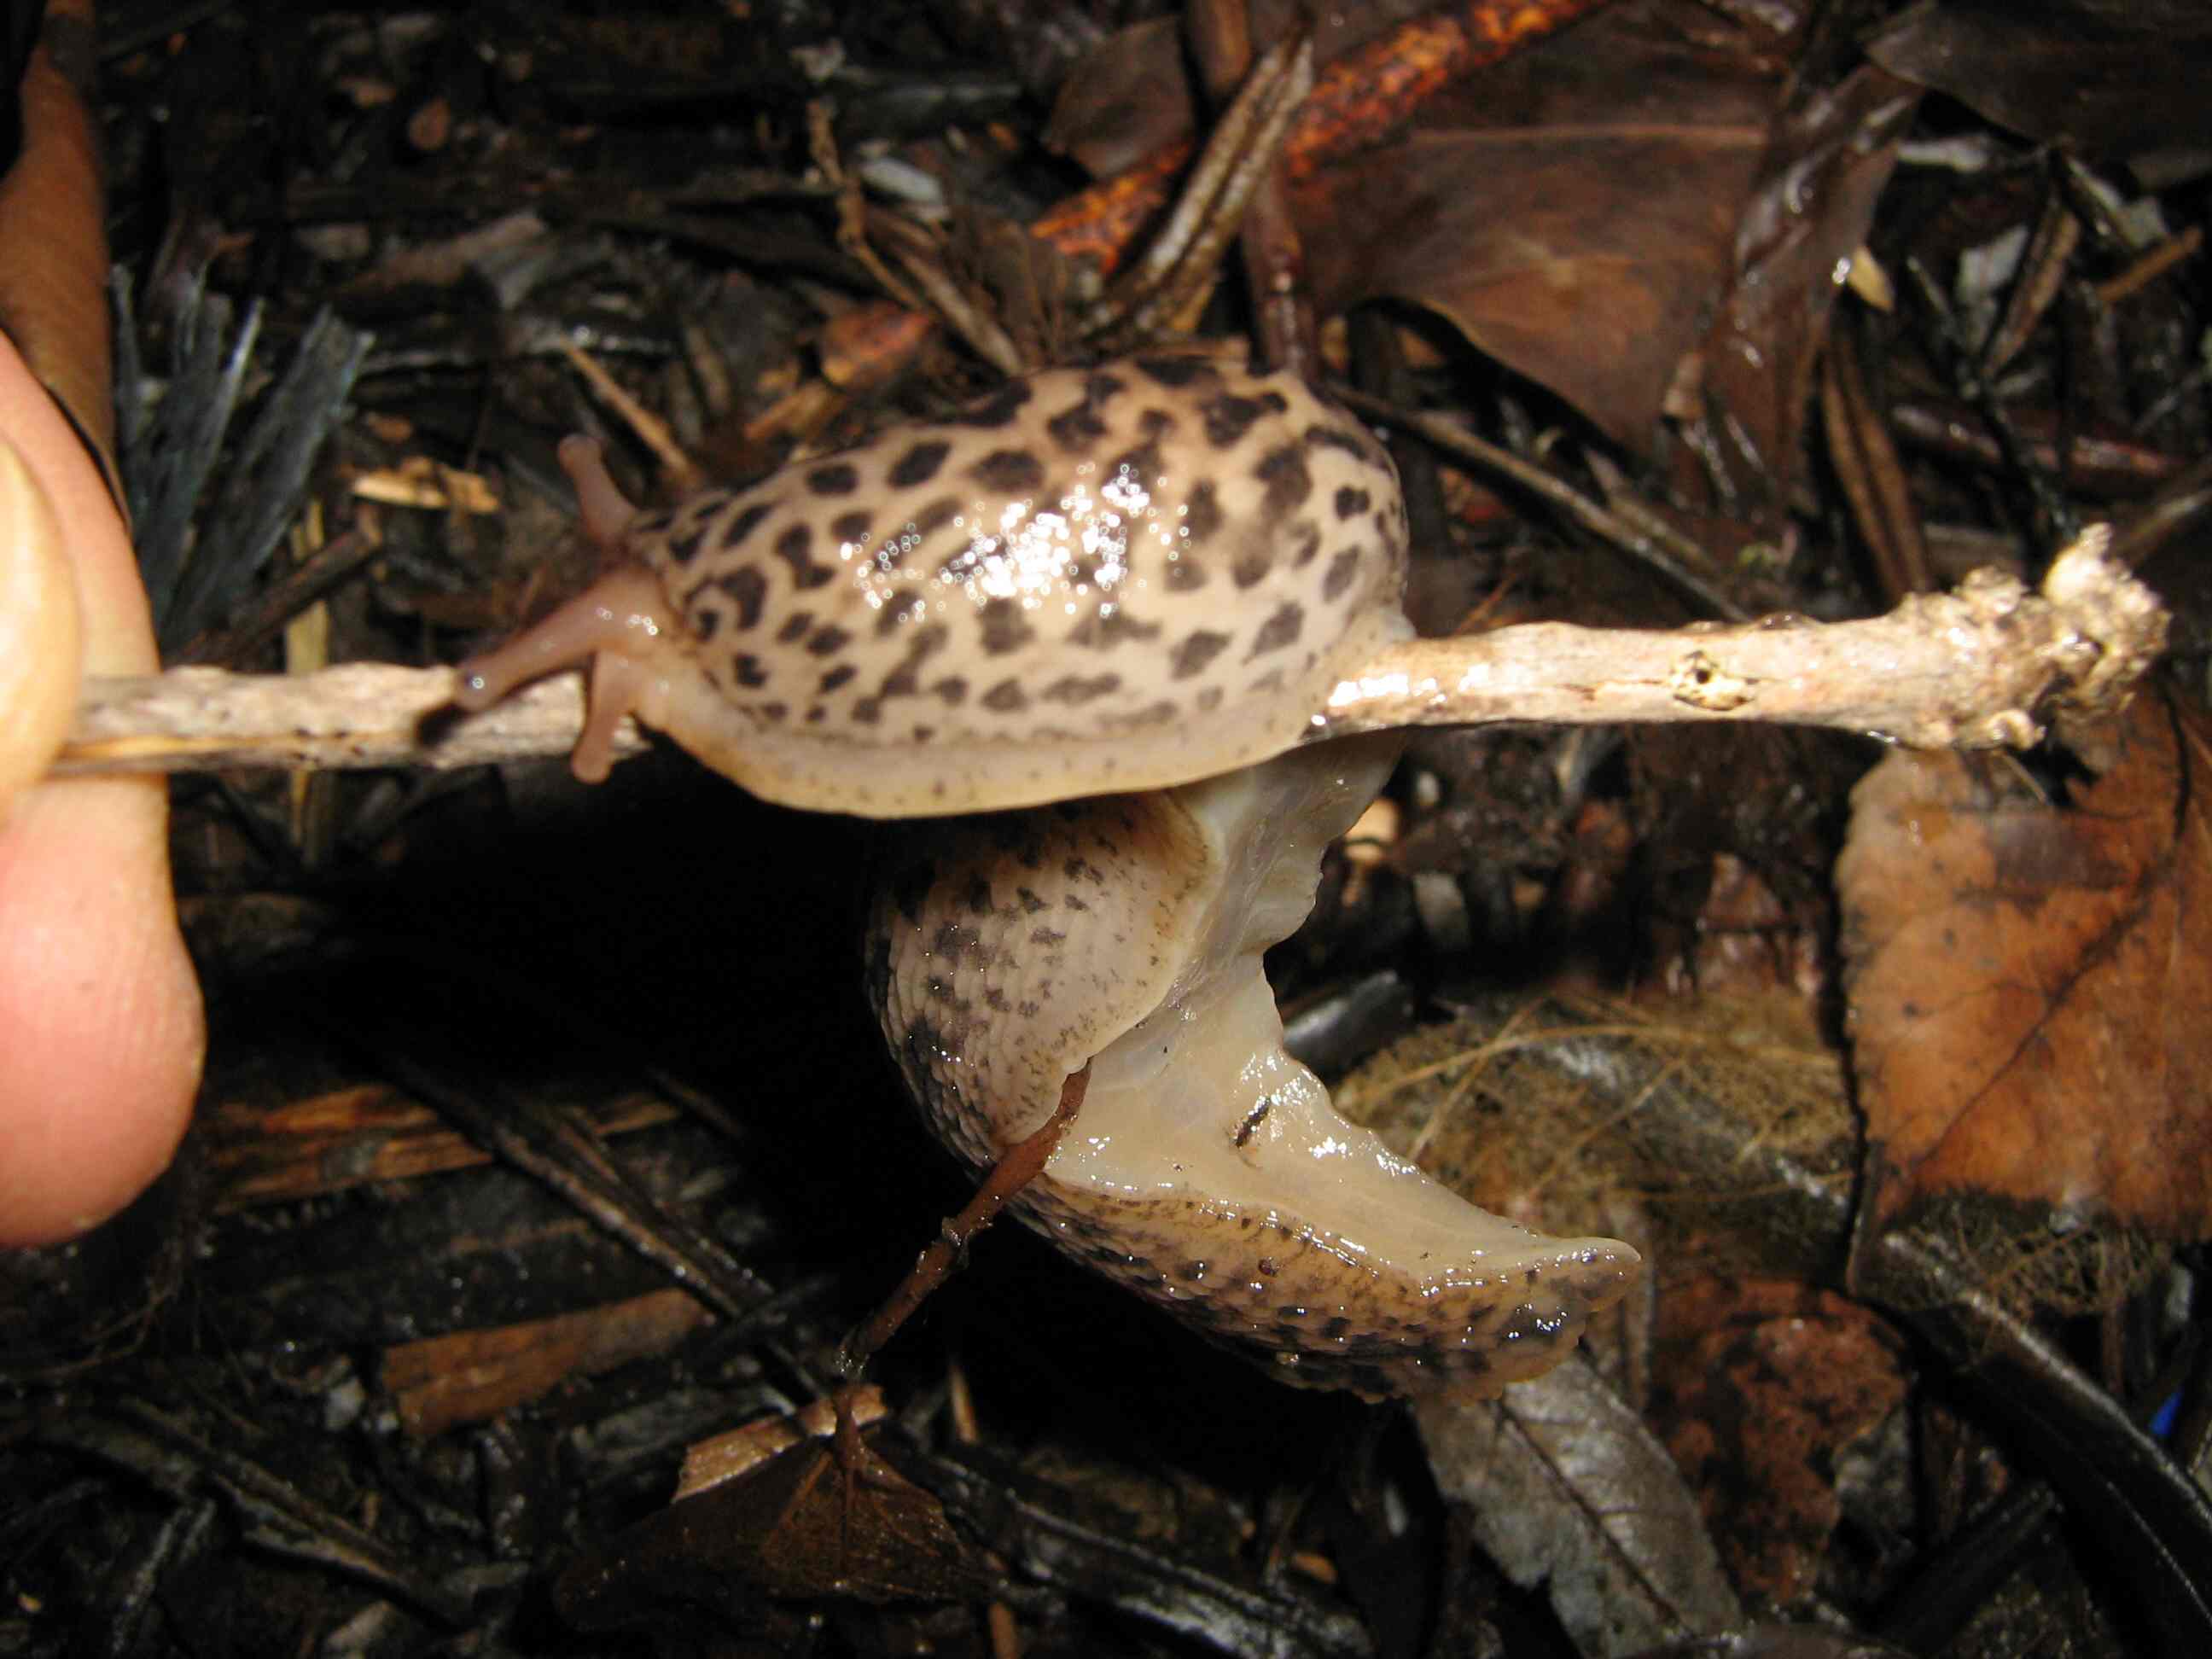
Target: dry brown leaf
<point>2028,984</point>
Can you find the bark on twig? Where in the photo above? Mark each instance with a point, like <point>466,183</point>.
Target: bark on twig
<point>1984,666</point>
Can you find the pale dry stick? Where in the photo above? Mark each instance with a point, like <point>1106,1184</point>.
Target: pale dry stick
<point>1978,667</point>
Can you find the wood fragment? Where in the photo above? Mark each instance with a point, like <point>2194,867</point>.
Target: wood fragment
<point>472,1376</point>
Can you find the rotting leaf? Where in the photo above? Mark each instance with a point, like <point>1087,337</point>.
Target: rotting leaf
<point>1570,211</point>
<point>1768,1386</point>
<point>794,1527</point>
<point>1830,157</point>
<point>2027,982</point>
<point>1565,1485</point>
<point>2114,79</point>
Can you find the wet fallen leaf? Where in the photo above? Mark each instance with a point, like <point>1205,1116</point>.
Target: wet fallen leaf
<point>1571,211</point>
<point>1566,1487</point>
<point>2115,78</point>
<point>2027,983</point>
<point>1745,390</point>
<point>796,1527</point>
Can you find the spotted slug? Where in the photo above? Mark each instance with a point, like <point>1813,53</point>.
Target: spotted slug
<point>1115,597</point>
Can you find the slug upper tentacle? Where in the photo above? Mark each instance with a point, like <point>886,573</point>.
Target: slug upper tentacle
<point>1125,590</point>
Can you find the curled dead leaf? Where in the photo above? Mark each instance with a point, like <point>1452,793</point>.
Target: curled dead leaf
<point>2027,982</point>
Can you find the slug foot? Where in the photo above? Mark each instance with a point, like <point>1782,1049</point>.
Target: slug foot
<point>1208,1170</point>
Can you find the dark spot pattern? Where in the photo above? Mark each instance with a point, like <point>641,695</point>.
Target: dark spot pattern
<point>998,408</point>
<point>1228,417</point>
<point>1288,481</point>
<point>905,680</point>
<point>1009,473</point>
<point>935,516</point>
<point>1202,514</point>
<point>835,478</point>
<point>1342,569</point>
<point>705,624</point>
<point>743,524</point>
<point>748,590</point>
<point>1005,627</point>
<point>1337,438</point>
<point>1141,465</point>
<point>748,671</point>
<point>920,464</point>
<point>1305,542</point>
<point>906,605</point>
<point>1350,502</point>
<point>829,642</point>
<point>682,550</point>
<point>1191,655</point>
<point>773,712</point>
<point>794,627</point>
<point>1077,689</point>
<point>1076,428</point>
<point>951,690</point>
<point>1252,564</point>
<point>852,528</point>
<point>1174,372</point>
<point>795,548</point>
<point>1110,626</point>
<point>1006,697</point>
<point>1279,630</point>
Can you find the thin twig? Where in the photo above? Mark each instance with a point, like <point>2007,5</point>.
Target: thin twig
<point>1978,667</point>
<point>1675,564</point>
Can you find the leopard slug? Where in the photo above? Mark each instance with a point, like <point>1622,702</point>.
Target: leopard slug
<point>1116,597</point>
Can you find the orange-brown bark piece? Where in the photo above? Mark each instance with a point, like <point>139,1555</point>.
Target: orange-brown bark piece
<point>472,1376</point>
<point>53,255</point>
<point>1356,101</point>
<point>2028,983</point>
<point>1763,1389</point>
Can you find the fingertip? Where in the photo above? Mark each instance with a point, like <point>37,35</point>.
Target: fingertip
<point>102,1029</point>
